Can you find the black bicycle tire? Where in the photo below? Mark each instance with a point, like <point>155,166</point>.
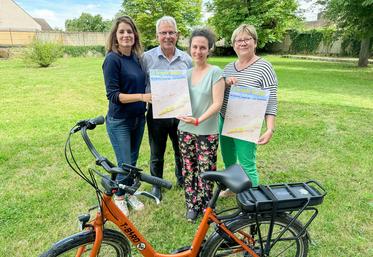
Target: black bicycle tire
<point>215,240</point>
<point>110,237</point>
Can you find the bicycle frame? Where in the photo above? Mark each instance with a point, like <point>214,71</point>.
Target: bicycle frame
<point>110,212</point>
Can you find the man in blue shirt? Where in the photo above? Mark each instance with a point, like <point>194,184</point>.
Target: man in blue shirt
<point>165,57</point>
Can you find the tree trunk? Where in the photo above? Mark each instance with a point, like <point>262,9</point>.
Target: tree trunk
<point>364,52</point>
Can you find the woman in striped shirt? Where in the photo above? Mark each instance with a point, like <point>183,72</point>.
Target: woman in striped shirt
<point>248,70</point>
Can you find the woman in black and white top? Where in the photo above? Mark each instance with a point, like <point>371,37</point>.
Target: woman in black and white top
<point>248,70</point>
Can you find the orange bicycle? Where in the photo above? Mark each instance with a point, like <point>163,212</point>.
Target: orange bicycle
<point>264,223</point>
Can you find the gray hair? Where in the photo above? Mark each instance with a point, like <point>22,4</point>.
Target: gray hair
<point>166,19</point>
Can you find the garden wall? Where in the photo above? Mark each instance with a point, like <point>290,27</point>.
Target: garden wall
<point>22,38</point>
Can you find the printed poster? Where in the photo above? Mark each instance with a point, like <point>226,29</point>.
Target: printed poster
<point>170,93</point>
<point>245,113</point>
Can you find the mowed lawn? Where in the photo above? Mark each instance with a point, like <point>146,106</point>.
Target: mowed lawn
<point>324,132</point>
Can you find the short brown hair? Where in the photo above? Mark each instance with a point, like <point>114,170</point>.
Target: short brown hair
<point>249,29</point>
<point>112,42</point>
<point>206,33</point>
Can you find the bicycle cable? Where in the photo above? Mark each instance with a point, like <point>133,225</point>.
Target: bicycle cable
<point>76,169</point>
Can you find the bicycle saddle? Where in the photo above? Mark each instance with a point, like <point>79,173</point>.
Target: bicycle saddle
<point>233,178</point>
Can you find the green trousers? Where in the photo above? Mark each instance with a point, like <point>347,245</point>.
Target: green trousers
<point>233,149</point>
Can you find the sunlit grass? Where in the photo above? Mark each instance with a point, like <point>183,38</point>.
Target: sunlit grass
<point>324,132</point>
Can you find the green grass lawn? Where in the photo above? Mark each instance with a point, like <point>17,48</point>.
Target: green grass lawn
<point>324,132</point>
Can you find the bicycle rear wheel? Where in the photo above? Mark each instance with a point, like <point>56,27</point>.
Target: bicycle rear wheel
<point>288,246</point>
<point>114,244</point>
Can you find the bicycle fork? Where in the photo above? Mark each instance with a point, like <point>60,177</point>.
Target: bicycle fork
<point>98,228</point>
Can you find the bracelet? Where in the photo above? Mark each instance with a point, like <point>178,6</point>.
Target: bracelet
<point>196,123</point>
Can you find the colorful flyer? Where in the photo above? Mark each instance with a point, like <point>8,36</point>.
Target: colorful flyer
<point>170,93</point>
<point>245,113</point>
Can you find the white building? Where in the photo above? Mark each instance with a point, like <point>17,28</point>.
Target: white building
<point>13,17</point>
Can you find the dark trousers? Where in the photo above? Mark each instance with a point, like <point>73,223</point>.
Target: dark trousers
<point>159,130</point>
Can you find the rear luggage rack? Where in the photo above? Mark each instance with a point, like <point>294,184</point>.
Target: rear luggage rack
<point>276,199</point>
<point>288,197</point>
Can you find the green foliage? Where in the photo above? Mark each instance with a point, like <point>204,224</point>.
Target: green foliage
<point>353,17</point>
<point>272,18</point>
<point>187,14</point>
<point>43,53</point>
<point>308,41</point>
<point>350,47</point>
<point>76,51</point>
<point>305,42</point>
<point>89,23</point>
<point>329,36</point>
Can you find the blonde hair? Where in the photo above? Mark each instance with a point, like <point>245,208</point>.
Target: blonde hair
<point>245,28</point>
<point>112,42</point>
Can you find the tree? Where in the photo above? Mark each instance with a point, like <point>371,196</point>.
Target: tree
<point>88,22</point>
<point>270,17</point>
<point>187,14</point>
<point>353,18</point>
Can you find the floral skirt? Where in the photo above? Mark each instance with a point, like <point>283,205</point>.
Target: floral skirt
<point>199,154</point>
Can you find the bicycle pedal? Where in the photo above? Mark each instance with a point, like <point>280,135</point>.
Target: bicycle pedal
<point>179,250</point>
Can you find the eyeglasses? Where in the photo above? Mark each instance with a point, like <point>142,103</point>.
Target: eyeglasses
<point>240,41</point>
<point>170,33</point>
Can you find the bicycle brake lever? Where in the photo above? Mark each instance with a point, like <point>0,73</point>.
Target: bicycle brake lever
<point>147,194</point>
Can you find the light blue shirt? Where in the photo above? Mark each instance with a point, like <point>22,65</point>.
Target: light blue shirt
<point>155,59</point>
<point>201,98</point>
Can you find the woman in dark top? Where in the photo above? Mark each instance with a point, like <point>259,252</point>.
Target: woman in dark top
<point>125,90</point>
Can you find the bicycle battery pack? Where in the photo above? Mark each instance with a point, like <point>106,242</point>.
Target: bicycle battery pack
<point>288,197</point>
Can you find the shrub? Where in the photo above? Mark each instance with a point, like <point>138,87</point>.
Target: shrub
<point>4,53</point>
<point>43,53</point>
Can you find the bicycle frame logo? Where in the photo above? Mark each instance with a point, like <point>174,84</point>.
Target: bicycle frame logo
<point>141,246</point>
<point>132,235</point>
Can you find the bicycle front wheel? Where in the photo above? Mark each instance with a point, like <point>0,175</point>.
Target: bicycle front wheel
<point>288,246</point>
<point>114,244</point>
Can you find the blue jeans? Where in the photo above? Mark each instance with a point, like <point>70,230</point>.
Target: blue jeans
<point>125,137</point>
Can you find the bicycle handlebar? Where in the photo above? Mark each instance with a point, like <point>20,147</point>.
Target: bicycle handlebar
<point>126,169</point>
<point>89,123</point>
<point>155,181</point>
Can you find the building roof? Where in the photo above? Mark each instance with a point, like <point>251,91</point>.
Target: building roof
<point>44,24</point>
<point>319,23</point>
<point>13,17</point>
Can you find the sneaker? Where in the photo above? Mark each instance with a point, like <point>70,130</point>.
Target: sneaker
<point>226,193</point>
<point>121,203</point>
<point>135,203</point>
<point>191,215</point>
